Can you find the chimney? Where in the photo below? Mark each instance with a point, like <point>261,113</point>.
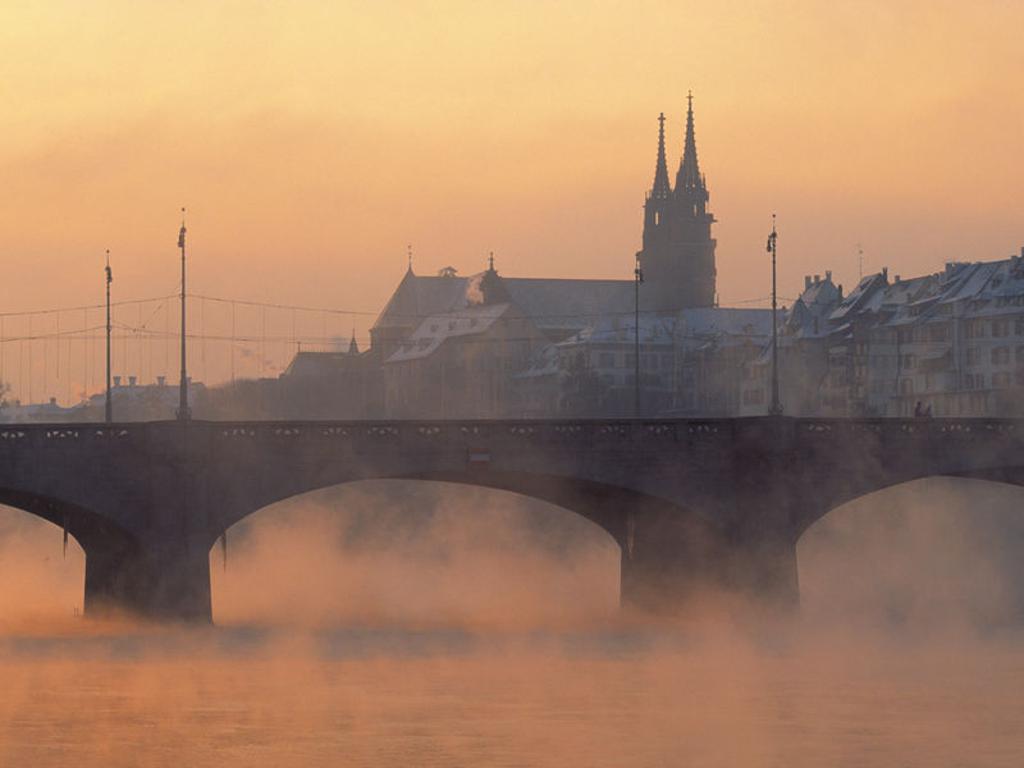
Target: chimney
<point>117,381</point>
<point>817,279</point>
<point>161,381</point>
<point>885,274</point>
<point>132,380</point>
<point>828,275</point>
<point>53,401</point>
<point>807,282</point>
<point>897,278</point>
<point>840,291</point>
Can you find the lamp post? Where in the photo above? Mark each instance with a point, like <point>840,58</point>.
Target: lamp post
<point>638,278</point>
<point>109,410</point>
<point>183,410</point>
<point>776,407</point>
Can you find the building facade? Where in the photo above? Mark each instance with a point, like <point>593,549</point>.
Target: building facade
<point>945,344</point>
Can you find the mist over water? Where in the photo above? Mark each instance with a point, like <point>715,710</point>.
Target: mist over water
<point>397,624</point>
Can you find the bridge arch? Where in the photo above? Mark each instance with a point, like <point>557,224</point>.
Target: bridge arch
<point>107,546</point>
<point>41,577</point>
<point>610,507</point>
<point>939,549</point>
<point>424,549</point>
<point>657,543</point>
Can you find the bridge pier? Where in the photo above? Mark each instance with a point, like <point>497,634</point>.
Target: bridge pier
<point>160,583</point>
<point>669,559</point>
<point>672,561</point>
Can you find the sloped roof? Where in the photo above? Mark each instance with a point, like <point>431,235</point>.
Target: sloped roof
<point>436,330</point>
<point>318,363</point>
<point>550,303</point>
<point>729,321</point>
<point>418,297</point>
<point>560,303</point>
<point>867,291</point>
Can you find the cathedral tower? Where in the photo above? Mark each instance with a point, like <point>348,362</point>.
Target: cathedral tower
<point>678,255</point>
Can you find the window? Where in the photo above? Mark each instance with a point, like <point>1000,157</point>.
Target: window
<point>1000,328</point>
<point>606,360</point>
<point>906,386</point>
<point>1018,325</point>
<point>908,362</point>
<point>938,333</point>
<point>1019,354</point>
<point>1001,380</point>
<point>1000,355</point>
<point>973,355</point>
<point>975,329</point>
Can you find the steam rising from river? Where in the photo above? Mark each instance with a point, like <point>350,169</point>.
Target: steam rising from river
<point>446,626</point>
<point>416,554</point>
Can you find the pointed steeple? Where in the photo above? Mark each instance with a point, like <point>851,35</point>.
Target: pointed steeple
<point>353,347</point>
<point>689,176</point>
<point>661,189</point>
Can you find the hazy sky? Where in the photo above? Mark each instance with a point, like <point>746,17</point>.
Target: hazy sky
<point>312,141</point>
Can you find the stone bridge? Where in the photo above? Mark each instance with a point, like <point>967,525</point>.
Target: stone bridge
<point>690,502</point>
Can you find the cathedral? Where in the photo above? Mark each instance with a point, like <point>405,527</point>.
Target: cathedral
<point>678,255</point>
<point>677,262</point>
<point>447,345</point>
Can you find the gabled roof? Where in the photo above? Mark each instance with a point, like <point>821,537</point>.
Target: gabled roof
<point>550,303</point>
<point>867,291</point>
<point>418,297</point>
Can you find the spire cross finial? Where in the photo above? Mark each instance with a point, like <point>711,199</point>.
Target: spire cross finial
<point>661,121</point>
<point>408,250</point>
<point>689,100</point>
<point>490,261</point>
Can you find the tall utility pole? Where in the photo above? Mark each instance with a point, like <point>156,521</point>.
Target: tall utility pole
<point>183,411</point>
<point>638,278</point>
<point>776,407</point>
<point>109,414</point>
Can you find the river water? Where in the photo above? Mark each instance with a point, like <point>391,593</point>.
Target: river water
<point>398,698</point>
<point>479,640</point>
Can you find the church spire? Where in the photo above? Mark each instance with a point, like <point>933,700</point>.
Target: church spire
<point>661,188</point>
<point>689,177</point>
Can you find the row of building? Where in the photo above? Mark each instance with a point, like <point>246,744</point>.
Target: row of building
<point>949,343</point>
<point>490,346</point>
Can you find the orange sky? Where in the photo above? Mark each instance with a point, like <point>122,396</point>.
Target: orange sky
<point>312,141</point>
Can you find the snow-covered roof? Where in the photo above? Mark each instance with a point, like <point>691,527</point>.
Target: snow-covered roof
<point>435,330</point>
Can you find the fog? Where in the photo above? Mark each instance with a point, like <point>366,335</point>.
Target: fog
<point>390,624</point>
<point>416,554</point>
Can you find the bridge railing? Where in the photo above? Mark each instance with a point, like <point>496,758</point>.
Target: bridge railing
<point>542,429</point>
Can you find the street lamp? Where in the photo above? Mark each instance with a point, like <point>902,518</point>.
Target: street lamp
<point>109,410</point>
<point>183,410</point>
<point>638,278</point>
<point>776,407</point>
